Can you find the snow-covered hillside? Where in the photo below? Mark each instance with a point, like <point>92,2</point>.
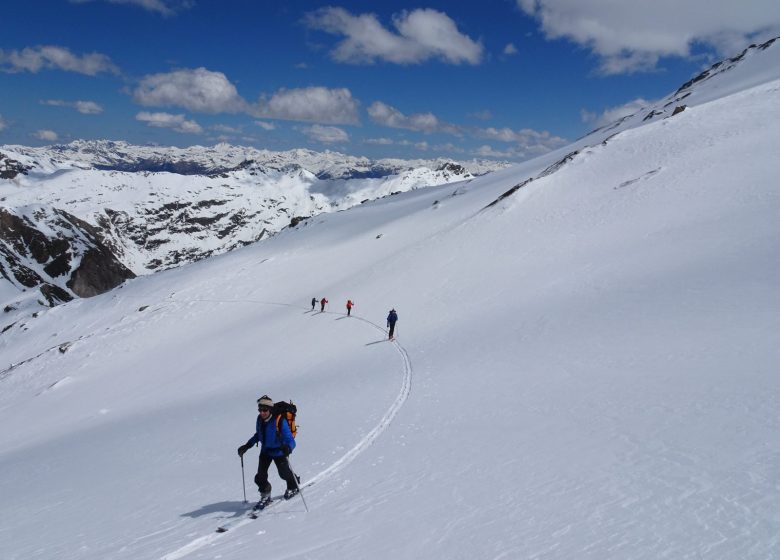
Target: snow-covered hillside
<point>586,367</point>
<point>148,208</point>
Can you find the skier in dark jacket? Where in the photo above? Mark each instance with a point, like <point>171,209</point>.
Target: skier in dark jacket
<point>313,303</point>
<point>392,318</point>
<point>276,443</point>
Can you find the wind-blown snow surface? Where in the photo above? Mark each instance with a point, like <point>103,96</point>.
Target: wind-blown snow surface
<point>593,368</point>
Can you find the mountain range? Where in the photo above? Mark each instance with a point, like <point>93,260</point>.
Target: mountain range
<point>80,218</point>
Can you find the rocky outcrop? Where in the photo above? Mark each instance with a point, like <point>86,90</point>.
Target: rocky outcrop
<point>69,259</point>
<point>10,168</point>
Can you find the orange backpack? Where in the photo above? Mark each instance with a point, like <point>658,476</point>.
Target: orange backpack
<point>288,411</point>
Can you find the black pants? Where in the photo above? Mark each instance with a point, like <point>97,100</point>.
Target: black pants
<point>349,310</point>
<point>392,330</point>
<point>282,467</point>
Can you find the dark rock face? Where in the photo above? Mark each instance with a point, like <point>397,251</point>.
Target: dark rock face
<point>75,257</point>
<point>453,168</point>
<point>98,272</point>
<point>10,168</point>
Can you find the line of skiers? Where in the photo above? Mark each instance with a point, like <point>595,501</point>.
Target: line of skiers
<point>275,435</point>
<point>392,316</point>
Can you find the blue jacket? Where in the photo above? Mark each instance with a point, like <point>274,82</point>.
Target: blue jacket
<point>392,317</point>
<point>269,439</point>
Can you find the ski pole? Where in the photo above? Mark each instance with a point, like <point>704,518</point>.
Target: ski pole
<point>243,479</point>
<point>295,478</point>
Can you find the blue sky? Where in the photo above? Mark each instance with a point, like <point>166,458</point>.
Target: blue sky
<point>505,79</point>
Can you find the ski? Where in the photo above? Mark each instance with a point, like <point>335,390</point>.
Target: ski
<point>251,513</point>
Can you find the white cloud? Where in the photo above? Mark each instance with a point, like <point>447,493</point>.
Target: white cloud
<point>484,115</point>
<point>489,151</point>
<point>166,120</point>
<point>164,7</point>
<point>419,35</point>
<point>313,104</point>
<point>527,139</point>
<point>449,147</point>
<point>380,141</point>
<point>225,129</point>
<point>3,124</point>
<point>34,59</point>
<point>199,90</point>
<point>83,107</point>
<point>47,135</point>
<point>387,115</point>
<point>265,125</point>
<point>613,114</point>
<point>326,134</point>
<point>510,49</point>
<point>630,36</point>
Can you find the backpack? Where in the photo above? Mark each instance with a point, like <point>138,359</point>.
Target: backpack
<point>286,410</point>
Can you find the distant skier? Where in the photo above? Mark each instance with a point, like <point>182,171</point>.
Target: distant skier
<point>349,306</point>
<point>392,318</point>
<point>313,303</point>
<point>276,443</point>
<point>323,301</point>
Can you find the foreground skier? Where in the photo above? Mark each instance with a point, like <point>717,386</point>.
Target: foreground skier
<point>276,443</point>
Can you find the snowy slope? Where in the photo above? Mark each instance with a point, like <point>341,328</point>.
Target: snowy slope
<point>584,369</point>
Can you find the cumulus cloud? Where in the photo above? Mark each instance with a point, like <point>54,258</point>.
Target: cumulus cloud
<point>163,7</point>
<point>166,120</point>
<point>265,125</point>
<point>205,91</point>
<point>314,104</point>
<point>531,141</point>
<point>510,49</point>
<point>450,148</point>
<point>419,35</point>
<point>225,129</point>
<point>628,37</point>
<point>46,135</point>
<point>613,114</point>
<point>199,90</point>
<point>527,141</point>
<point>380,141</point>
<point>483,115</point>
<point>326,134</point>
<point>83,107</point>
<point>35,59</point>
<point>387,115</point>
<point>490,152</point>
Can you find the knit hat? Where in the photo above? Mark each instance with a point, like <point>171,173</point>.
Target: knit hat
<point>265,400</point>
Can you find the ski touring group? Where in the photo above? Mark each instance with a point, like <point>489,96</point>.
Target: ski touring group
<point>392,315</point>
<point>275,431</point>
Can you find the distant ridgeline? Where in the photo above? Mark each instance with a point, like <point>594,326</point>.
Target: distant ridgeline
<point>79,219</point>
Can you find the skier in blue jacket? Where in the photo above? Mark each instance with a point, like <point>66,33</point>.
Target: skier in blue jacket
<point>276,444</point>
<point>392,318</point>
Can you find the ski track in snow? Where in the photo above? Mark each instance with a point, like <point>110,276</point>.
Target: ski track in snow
<point>340,464</point>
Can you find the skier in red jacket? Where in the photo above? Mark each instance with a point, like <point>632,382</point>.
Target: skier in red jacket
<point>349,306</point>
<point>323,301</point>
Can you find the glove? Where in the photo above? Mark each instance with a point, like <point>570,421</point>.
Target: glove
<point>286,450</point>
<point>243,449</point>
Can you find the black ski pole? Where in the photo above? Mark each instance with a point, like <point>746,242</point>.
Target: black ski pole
<point>243,479</point>
<point>295,478</point>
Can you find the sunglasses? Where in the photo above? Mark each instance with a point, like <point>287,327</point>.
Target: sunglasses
<point>263,409</point>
